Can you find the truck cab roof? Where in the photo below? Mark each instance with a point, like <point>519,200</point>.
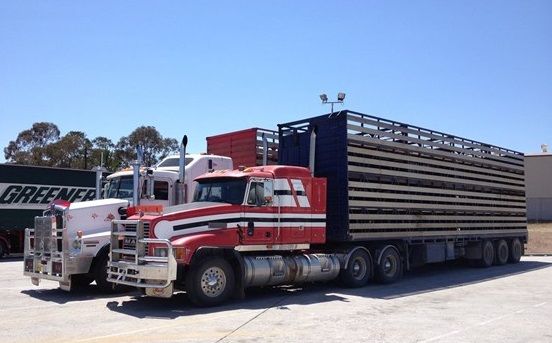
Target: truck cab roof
<point>169,165</point>
<point>272,171</point>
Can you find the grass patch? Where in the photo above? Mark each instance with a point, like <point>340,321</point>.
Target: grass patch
<point>540,238</point>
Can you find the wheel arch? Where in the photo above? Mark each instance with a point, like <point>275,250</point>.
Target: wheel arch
<point>232,256</point>
<point>347,256</point>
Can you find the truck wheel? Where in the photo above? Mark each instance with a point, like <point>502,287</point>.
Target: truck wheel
<point>487,254</point>
<point>515,251</point>
<point>80,281</point>
<point>501,252</point>
<point>100,273</point>
<point>3,249</point>
<point>210,282</point>
<point>358,271</point>
<point>389,269</point>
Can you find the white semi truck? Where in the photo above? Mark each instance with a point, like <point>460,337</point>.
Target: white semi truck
<point>70,241</point>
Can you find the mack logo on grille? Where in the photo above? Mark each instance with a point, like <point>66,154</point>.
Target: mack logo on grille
<point>130,241</point>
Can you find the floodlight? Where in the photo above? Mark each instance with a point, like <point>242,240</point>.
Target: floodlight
<point>323,97</point>
<point>340,96</point>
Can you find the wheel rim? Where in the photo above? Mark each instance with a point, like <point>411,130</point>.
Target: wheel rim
<point>359,268</point>
<point>503,252</point>
<point>213,282</point>
<point>517,249</point>
<point>488,253</point>
<point>390,266</point>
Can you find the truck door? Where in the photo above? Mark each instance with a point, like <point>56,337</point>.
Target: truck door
<point>259,216</point>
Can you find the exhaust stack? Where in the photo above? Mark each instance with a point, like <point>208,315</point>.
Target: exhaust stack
<point>312,150</point>
<point>99,177</point>
<point>136,164</point>
<point>265,150</point>
<point>181,186</point>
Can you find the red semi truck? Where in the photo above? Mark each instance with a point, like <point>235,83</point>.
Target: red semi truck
<point>378,197</point>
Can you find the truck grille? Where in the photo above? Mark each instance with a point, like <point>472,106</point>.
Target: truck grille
<point>129,243</point>
<point>47,239</point>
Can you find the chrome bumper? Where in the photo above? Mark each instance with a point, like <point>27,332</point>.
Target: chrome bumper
<point>49,257</point>
<point>133,266</point>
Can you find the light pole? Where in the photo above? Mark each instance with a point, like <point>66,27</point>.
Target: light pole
<point>340,98</point>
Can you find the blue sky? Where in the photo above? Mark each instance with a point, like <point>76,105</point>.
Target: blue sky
<point>477,69</point>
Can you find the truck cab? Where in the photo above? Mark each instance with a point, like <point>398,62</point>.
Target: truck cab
<point>70,242</point>
<point>252,215</point>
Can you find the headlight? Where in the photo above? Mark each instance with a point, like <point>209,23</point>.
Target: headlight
<point>160,252</point>
<point>77,244</point>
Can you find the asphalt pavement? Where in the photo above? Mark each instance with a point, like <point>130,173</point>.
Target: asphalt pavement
<point>439,303</point>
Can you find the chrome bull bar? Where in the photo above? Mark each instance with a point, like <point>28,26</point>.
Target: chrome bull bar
<point>131,265</point>
<point>46,257</point>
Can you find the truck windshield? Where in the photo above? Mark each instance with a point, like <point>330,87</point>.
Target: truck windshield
<point>228,190</point>
<point>120,187</point>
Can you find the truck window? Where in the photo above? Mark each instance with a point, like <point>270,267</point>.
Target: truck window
<point>120,188</point>
<point>160,189</point>
<point>228,190</point>
<point>173,162</point>
<point>260,193</point>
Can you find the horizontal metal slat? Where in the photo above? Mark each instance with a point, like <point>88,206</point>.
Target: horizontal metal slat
<point>124,251</point>
<point>428,198</point>
<point>376,142</point>
<point>403,188</point>
<point>435,170</point>
<point>446,147</point>
<point>432,161</point>
<point>444,138</point>
<point>415,226</point>
<point>412,217</point>
<point>428,234</point>
<point>435,207</point>
<point>378,171</point>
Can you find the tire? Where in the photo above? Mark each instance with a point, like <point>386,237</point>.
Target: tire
<point>516,250</point>
<point>487,254</point>
<point>210,282</point>
<point>390,268</point>
<point>358,271</point>
<point>501,252</point>
<point>80,281</point>
<point>100,273</point>
<point>3,249</point>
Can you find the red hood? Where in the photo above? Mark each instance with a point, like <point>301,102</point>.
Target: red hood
<point>188,211</point>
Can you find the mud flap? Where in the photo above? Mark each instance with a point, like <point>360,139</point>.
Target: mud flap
<point>35,281</point>
<point>165,292</point>
<point>66,286</point>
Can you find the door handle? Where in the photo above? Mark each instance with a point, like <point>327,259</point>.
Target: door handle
<point>250,228</point>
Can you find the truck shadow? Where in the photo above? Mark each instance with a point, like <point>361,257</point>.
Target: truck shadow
<point>58,296</point>
<point>426,279</point>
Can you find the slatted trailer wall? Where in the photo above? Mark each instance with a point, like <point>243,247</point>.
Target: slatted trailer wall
<point>393,180</point>
<point>245,147</point>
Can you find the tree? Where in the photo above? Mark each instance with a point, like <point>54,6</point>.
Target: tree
<point>71,151</point>
<point>103,147</point>
<point>154,145</point>
<point>30,145</point>
<point>41,145</point>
